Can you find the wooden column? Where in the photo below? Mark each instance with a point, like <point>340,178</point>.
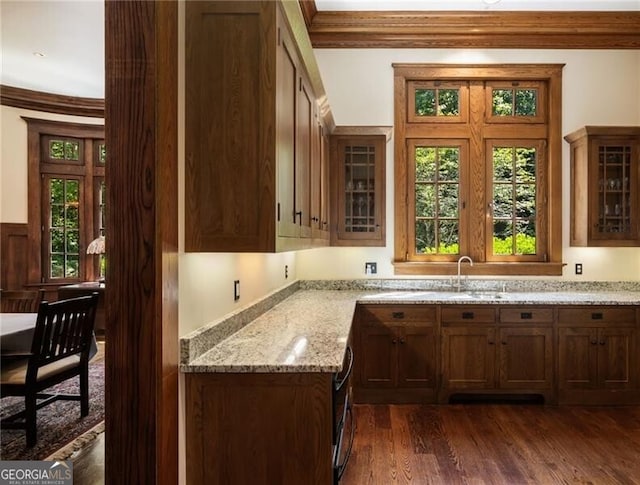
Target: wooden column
<point>142,242</point>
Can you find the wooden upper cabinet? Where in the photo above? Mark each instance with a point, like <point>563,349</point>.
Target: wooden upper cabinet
<point>252,91</point>
<point>605,176</point>
<point>358,191</point>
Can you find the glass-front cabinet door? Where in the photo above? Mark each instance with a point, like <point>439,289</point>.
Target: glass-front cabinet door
<point>358,163</point>
<point>605,169</point>
<point>614,168</point>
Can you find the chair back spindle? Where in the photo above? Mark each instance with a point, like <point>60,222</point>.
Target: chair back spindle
<point>64,328</point>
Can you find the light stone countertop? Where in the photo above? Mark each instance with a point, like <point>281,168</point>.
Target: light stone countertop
<point>308,331</point>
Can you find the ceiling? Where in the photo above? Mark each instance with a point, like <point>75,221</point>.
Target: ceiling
<point>57,46</point>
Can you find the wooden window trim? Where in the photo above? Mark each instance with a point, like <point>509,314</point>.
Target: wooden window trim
<point>36,129</point>
<point>476,73</point>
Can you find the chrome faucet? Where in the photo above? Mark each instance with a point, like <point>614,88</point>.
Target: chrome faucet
<point>462,258</point>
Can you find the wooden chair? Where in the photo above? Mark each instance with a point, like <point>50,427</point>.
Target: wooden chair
<point>59,351</point>
<point>19,301</point>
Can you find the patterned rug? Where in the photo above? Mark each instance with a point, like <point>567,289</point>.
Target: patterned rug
<point>59,423</point>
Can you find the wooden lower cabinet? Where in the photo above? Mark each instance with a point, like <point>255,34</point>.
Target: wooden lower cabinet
<point>500,360</point>
<point>597,356</point>
<point>259,428</point>
<point>395,355</point>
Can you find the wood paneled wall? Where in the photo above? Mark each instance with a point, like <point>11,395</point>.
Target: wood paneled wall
<point>142,290</point>
<point>13,256</point>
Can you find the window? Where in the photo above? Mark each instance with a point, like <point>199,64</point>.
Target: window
<point>67,199</point>
<point>478,168</point>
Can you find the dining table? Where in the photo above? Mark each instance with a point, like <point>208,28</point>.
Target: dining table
<point>16,333</point>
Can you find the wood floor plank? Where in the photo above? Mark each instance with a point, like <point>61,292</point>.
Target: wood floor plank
<point>495,444</point>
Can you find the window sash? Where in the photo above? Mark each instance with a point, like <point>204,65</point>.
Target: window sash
<point>539,220</point>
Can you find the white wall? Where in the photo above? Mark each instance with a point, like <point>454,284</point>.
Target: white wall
<point>13,158</point>
<point>599,88</point>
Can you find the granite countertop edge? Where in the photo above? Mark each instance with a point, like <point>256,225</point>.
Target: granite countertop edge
<point>308,330</point>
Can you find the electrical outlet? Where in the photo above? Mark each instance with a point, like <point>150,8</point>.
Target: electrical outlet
<point>236,290</point>
<point>286,271</point>
<point>578,268</point>
<point>370,268</point>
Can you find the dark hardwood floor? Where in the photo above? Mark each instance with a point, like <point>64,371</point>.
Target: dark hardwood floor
<point>475,444</point>
<point>495,444</point>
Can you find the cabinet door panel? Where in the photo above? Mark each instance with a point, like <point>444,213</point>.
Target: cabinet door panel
<point>416,356</point>
<point>526,358</point>
<point>285,135</point>
<point>578,358</point>
<point>378,355</point>
<point>616,351</point>
<point>468,358</point>
<point>304,124</point>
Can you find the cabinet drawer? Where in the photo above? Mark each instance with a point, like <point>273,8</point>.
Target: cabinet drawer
<point>398,313</point>
<point>464,313</point>
<point>537,315</point>
<point>597,314</point>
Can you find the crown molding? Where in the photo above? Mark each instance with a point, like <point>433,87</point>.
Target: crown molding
<point>513,30</point>
<point>51,103</point>
<point>309,10</point>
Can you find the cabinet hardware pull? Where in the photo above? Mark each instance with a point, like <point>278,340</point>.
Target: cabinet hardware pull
<point>298,214</point>
<point>393,341</point>
<point>402,340</point>
<point>596,316</point>
<point>526,316</point>
<point>491,342</point>
<point>467,315</point>
<point>602,342</point>
<point>594,342</point>
<point>398,315</point>
<point>504,342</point>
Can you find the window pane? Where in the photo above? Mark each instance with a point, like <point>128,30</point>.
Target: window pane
<point>502,201</point>
<point>425,200</point>
<point>73,242</point>
<point>449,163</point>
<point>56,191</point>
<point>425,102</point>
<point>425,164</point>
<point>448,200</point>
<point>56,149</point>
<point>72,189</point>
<point>57,240</point>
<point>437,201</point>
<point>526,237</point>
<point>425,237</point>
<point>448,102</point>
<point>449,238</point>
<point>57,216</point>
<point>64,230</point>
<point>71,150</point>
<point>57,266</point>
<point>525,164</point>
<point>502,237</point>
<point>526,100</point>
<point>502,102</point>
<point>526,201</point>
<point>519,213</point>
<point>72,267</point>
<point>502,164</point>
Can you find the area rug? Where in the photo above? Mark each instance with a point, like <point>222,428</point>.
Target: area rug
<point>59,423</point>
